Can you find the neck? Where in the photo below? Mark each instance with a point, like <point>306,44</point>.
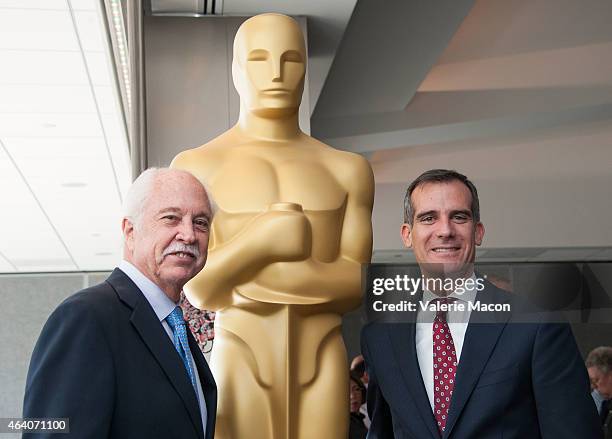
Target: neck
<point>172,291</point>
<point>439,283</point>
<point>275,129</point>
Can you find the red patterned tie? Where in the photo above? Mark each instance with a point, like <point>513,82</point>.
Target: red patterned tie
<point>444,365</point>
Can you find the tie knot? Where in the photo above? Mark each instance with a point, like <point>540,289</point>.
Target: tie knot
<point>442,308</point>
<point>175,318</point>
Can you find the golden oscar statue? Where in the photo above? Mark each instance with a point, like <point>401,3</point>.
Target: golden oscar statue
<point>293,227</point>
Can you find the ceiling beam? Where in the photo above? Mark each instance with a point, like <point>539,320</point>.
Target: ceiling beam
<point>386,51</point>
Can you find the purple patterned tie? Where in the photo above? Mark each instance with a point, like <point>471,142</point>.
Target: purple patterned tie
<point>444,365</point>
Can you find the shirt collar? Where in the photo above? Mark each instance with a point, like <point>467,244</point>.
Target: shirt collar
<point>469,295</point>
<point>161,304</point>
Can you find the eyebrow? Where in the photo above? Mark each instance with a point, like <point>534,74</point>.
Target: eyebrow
<point>467,212</point>
<point>422,214</point>
<point>177,210</point>
<point>452,212</point>
<point>169,209</point>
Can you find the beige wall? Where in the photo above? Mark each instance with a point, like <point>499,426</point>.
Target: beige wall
<point>27,302</point>
<point>548,188</point>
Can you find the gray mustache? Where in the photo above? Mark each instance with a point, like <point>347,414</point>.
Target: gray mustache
<point>176,247</point>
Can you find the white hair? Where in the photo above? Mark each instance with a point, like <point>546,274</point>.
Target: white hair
<point>138,194</point>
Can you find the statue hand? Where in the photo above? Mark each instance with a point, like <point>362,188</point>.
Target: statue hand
<point>284,232</point>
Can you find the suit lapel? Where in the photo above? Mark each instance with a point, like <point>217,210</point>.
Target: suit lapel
<point>209,387</point>
<point>154,336</point>
<point>402,338</point>
<point>481,336</point>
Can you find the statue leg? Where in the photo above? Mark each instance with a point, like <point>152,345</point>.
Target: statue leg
<point>243,408</point>
<point>324,402</point>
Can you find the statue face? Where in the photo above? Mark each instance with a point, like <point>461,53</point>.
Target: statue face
<point>269,65</point>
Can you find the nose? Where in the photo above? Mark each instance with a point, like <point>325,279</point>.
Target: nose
<point>186,231</point>
<point>277,69</point>
<point>445,228</point>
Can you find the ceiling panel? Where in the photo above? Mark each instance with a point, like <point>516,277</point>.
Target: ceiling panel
<point>42,30</point>
<point>55,155</point>
<point>106,98</point>
<point>56,148</point>
<point>98,68</point>
<point>34,4</point>
<point>118,149</point>
<point>25,232</point>
<point>50,125</point>
<point>88,27</point>
<point>43,67</point>
<point>46,99</point>
<point>5,265</point>
<point>83,5</point>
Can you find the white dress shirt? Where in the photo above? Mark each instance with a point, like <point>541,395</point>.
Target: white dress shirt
<point>162,306</point>
<point>457,323</point>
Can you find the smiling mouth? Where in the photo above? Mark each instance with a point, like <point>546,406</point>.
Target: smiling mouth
<point>183,255</point>
<point>442,250</point>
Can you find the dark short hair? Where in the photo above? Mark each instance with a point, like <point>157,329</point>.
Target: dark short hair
<point>359,368</point>
<point>440,176</point>
<point>600,358</point>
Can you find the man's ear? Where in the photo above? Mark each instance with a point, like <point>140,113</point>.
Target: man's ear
<point>127,226</point>
<point>479,233</point>
<point>406,232</point>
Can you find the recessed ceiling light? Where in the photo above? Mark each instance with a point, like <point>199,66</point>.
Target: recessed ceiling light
<point>49,125</point>
<point>74,184</point>
<point>103,254</point>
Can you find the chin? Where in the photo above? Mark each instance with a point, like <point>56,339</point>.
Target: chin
<point>178,275</point>
<point>446,266</point>
<point>276,108</point>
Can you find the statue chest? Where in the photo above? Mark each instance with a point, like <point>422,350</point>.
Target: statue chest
<point>251,184</point>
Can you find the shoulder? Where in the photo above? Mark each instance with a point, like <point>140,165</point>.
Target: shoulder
<point>91,297</point>
<point>346,161</point>
<point>373,332</point>
<point>89,307</point>
<point>353,171</point>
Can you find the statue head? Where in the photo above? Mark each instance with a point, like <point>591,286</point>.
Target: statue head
<point>269,65</point>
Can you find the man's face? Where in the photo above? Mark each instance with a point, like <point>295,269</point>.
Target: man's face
<point>601,381</point>
<point>443,230</point>
<point>169,243</point>
<point>269,66</point>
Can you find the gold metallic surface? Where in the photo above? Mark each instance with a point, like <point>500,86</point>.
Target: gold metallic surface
<point>293,226</point>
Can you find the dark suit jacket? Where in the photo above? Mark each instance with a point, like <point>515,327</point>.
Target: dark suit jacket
<point>514,380</point>
<point>104,361</point>
<point>607,423</point>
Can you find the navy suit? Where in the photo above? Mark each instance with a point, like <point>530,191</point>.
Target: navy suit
<point>104,361</point>
<point>514,380</point>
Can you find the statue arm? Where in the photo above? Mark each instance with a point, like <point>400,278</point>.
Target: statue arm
<point>238,260</point>
<point>339,280</point>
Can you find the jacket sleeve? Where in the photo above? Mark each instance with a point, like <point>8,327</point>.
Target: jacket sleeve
<point>561,386</point>
<point>71,373</point>
<point>381,426</point>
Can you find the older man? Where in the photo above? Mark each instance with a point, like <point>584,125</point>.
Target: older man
<point>458,373</point>
<point>116,358</point>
